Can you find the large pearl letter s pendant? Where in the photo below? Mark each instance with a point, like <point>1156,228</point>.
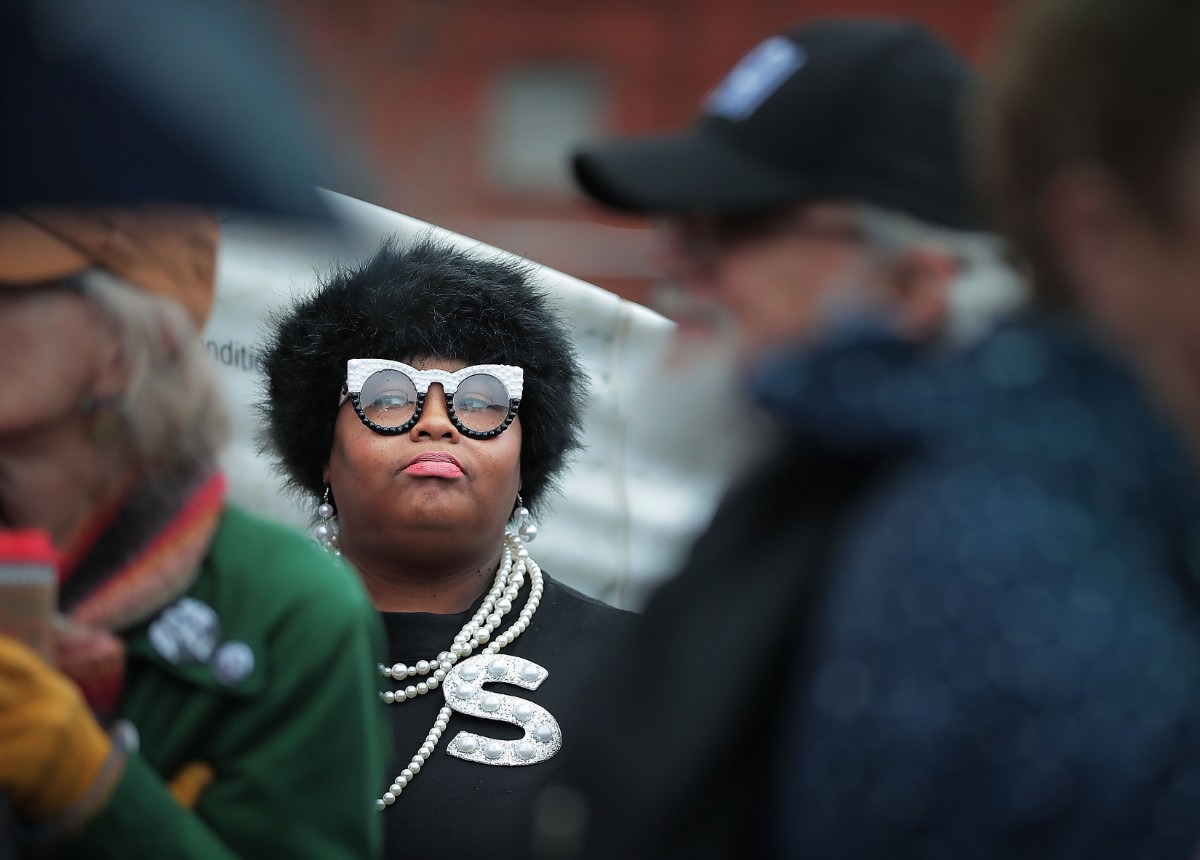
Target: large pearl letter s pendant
<point>542,734</point>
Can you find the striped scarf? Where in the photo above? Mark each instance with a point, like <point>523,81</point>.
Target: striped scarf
<point>134,559</point>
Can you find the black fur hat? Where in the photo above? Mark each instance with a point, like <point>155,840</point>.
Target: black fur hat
<point>427,299</point>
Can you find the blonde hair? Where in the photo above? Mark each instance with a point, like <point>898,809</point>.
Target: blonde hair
<point>172,406</point>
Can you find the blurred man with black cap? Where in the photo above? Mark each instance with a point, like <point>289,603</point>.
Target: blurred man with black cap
<point>808,145</point>
<point>945,615</point>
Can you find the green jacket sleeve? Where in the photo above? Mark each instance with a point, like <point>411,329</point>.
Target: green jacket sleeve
<point>142,819</point>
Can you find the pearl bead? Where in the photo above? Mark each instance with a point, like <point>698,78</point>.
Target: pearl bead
<point>467,744</point>
<point>490,703</point>
<point>388,697</point>
<point>380,806</point>
<point>497,668</point>
<point>530,672</point>
<point>406,775</point>
<point>389,798</point>
<point>504,605</point>
<point>322,532</point>
<point>440,674</point>
<point>469,673</point>
<point>464,691</point>
<point>422,667</point>
<point>324,510</point>
<point>482,636</point>
<point>493,750</point>
<point>525,750</point>
<point>543,733</point>
<point>523,712</point>
<point>431,684</point>
<point>422,688</point>
<point>399,671</point>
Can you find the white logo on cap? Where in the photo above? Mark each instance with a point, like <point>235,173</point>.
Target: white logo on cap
<point>755,78</point>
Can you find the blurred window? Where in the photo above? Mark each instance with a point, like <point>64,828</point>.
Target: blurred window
<point>537,115</point>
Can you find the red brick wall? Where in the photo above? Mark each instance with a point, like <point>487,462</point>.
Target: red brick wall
<point>407,84</point>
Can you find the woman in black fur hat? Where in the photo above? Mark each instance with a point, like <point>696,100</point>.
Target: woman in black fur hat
<point>426,401</point>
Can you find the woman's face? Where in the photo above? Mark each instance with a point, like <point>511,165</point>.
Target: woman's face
<point>394,498</point>
<point>56,352</point>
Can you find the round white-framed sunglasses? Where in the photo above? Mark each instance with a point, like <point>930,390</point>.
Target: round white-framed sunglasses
<point>481,400</point>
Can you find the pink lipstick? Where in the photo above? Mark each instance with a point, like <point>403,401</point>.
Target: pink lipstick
<point>435,464</point>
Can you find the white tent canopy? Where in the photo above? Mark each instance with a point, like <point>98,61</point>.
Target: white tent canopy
<point>657,447</point>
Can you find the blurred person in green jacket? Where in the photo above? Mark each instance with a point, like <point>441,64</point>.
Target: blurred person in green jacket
<point>210,691</point>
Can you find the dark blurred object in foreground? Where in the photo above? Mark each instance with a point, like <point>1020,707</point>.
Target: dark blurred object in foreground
<point>141,101</point>
<point>953,611</point>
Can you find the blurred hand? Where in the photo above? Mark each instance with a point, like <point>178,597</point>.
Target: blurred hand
<point>187,785</point>
<point>51,747</point>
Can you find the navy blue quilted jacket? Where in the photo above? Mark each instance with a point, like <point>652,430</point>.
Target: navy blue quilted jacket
<point>1005,657</point>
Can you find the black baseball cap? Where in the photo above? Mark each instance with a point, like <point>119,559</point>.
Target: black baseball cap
<point>858,109</point>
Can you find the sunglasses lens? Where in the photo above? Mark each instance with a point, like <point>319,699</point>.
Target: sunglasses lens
<point>388,398</point>
<point>481,402</point>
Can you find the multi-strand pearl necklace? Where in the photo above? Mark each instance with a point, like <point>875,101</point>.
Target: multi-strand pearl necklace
<point>497,603</point>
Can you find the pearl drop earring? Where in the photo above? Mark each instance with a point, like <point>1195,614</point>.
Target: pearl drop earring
<point>526,528</point>
<point>326,532</point>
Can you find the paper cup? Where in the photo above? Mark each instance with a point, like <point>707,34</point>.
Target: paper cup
<point>28,588</point>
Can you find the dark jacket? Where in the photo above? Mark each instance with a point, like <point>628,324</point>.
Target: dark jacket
<point>955,615</point>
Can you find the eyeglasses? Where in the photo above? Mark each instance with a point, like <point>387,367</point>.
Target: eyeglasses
<point>702,238</point>
<point>388,396</point>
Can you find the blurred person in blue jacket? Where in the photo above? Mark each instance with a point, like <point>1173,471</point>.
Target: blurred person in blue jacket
<point>952,611</point>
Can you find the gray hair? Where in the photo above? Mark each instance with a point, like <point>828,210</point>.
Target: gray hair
<point>988,287</point>
<point>172,405</point>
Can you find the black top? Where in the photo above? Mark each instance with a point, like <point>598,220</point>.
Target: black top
<point>456,808</point>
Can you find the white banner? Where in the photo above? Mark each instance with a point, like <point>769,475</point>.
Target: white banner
<point>657,439</point>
